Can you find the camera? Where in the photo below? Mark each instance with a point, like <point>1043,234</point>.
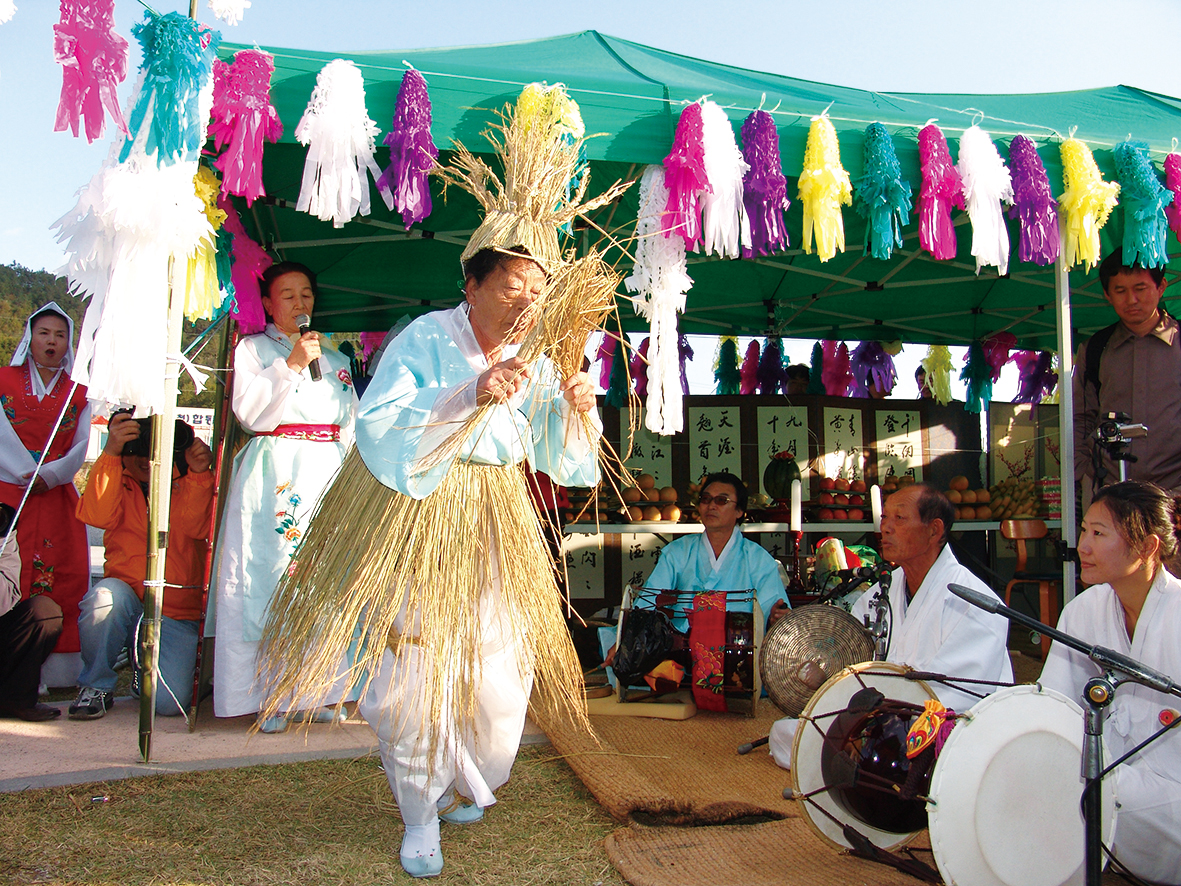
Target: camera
<point>142,445</point>
<point>1117,427</point>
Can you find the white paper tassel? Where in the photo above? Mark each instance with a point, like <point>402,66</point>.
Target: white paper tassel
<point>7,10</point>
<point>229,11</point>
<point>725,226</point>
<point>661,280</point>
<point>340,139</point>
<point>987,184</point>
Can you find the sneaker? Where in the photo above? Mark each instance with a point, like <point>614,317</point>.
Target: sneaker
<point>91,704</point>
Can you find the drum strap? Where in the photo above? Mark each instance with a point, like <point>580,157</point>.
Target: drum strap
<point>863,848</point>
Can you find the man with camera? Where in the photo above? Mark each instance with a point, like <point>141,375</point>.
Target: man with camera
<point>116,501</point>
<point>1127,384</point>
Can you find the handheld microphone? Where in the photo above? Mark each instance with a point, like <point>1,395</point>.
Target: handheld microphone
<point>304,322</point>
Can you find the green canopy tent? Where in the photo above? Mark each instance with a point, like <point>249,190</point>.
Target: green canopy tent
<point>372,271</point>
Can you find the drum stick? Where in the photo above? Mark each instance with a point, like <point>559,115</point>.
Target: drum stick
<point>745,749</point>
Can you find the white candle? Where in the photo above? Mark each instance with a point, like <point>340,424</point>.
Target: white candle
<point>875,505</point>
<point>797,505</point>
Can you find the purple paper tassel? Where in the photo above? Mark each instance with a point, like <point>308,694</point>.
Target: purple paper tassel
<point>996,352</point>
<point>1173,183</point>
<point>605,355</point>
<point>684,176</point>
<point>639,368</point>
<point>412,151</point>
<point>1037,376</point>
<point>1033,204</point>
<point>750,369</point>
<point>764,187</point>
<point>870,364</point>
<point>685,354</point>
<point>772,373</point>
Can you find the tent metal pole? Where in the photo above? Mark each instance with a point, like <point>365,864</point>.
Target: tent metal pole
<point>1066,419</point>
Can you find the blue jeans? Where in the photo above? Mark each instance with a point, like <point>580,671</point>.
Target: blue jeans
<point>109,615</point>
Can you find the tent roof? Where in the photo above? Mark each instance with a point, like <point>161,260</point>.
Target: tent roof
<point>372,271</point>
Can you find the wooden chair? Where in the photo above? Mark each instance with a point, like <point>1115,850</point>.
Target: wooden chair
<point>1021,531</point>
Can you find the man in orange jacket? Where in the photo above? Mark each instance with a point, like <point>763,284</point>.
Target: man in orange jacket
<point>115,501</point>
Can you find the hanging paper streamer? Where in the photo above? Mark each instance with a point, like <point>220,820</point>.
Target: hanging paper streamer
<point>250,260</point>
<point>684,355</point>
<point>725,227</point>
<point>977,375</point>
<point>1173,183</point>
<point>1037,376</point>
<point>1033,205</point>
<point>987,185</point>
<point>412,150</point>
<point>937,365</point>
<point>836,373</point>
<point>7,11</point>
<point>639,368</point>
<point>617,385</point>
<point>1144,200</point>
<point>243,118</point>
<point>605,356</point>
<point>685,179</point>
<point>816,372</point>
<point>750,369</point>
<point>942,190</point>
<point>229,11</point>
<point>764,187</point>
<point>996,352</point>
<point>554,109</point>
<point>871,366</point>
<point>727,376</point>
<point>94,62</point>
<point>661,280</point>
<point>1086,203</point>
<point>881,197</point>
<point>175,94</point>
<point>772,373</point>
<point>202,293</point>
<point>824,186</point>
<point>341,140</point>
<point>370,342</point>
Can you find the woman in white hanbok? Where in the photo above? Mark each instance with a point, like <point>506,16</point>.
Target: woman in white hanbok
<point>301,430</point>
<point>1134,607</point>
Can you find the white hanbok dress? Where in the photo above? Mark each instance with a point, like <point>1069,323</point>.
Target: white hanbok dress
<point>1148,786</point>
<point>278,479</point>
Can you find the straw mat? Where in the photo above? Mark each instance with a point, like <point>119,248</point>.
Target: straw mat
<point>678,771</point>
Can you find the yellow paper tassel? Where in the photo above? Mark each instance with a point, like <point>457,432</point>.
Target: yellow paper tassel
<point>937,365</point>
<point>202,294</point>
<point>1085,204</point>
<point>824,186</point>
<point>553,107</point>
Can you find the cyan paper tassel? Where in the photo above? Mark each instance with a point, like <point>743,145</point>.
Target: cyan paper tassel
<point>880,196</point>
<point>1144,199</point>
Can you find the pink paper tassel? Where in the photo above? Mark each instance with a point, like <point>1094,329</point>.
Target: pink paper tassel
<point>1173,183</point>
<point>684,176</point>
<point>370,342</point>
<point>94,62</point>
<point>1033,204</point>
<point>942,189</point>
<point>606,356</point>
<point>750,370</point>
<point>996,352</point>
<point>836,375</point>
<point>412,151</point>
<point>242,118</point>
<point>250,260</point>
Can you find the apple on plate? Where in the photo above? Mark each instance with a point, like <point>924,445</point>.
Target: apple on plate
<point>826,498</point>
<point>827,483</point>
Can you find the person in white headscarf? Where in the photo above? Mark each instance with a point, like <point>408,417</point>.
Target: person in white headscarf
<point>36,392</point>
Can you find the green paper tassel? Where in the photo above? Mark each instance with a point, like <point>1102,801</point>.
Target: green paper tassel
<point>617,391</point>
<point>726,371</point>
<point>977,375</point>
<point>815,381</point>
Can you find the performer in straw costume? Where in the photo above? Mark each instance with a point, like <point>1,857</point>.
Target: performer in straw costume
<point>34,391</point>
<point>428,539</point>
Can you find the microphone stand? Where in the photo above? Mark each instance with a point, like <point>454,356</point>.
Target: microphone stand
<point>1098,694</point>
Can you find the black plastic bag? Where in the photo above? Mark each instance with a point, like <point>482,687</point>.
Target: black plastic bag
<point>644,642</point>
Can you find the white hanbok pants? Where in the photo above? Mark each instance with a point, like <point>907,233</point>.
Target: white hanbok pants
<point>475,763</point>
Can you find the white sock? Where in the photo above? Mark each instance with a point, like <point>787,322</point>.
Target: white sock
<point>421,840</point>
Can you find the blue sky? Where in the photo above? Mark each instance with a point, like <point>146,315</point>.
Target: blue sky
<point>943,46</point>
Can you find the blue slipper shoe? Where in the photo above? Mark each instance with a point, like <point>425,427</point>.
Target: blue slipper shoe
<point>274,725</point>
<point>320,715</point>
<point>421,855</point>
<point>458,809</point>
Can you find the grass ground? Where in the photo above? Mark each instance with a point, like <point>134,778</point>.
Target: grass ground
<point>328,822</point>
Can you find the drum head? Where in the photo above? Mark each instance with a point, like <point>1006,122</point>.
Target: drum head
<point>805,648</point>
<point>1006,791</point>
<point>808,748</point>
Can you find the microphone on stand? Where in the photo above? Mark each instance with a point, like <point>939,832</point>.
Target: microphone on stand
<point>304,322</point>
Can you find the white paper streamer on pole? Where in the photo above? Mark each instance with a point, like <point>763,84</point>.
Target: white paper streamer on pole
<point>725,226</point>
<point>229,11</point>
<point>661,280</point>
<point>987,184</point>
<point>7,10</point>
<point>341,139</point>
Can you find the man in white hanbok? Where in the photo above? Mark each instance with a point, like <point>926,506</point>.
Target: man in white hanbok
<point>1134,607</point>
<point>930,629</point>
<point>430,381</point>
